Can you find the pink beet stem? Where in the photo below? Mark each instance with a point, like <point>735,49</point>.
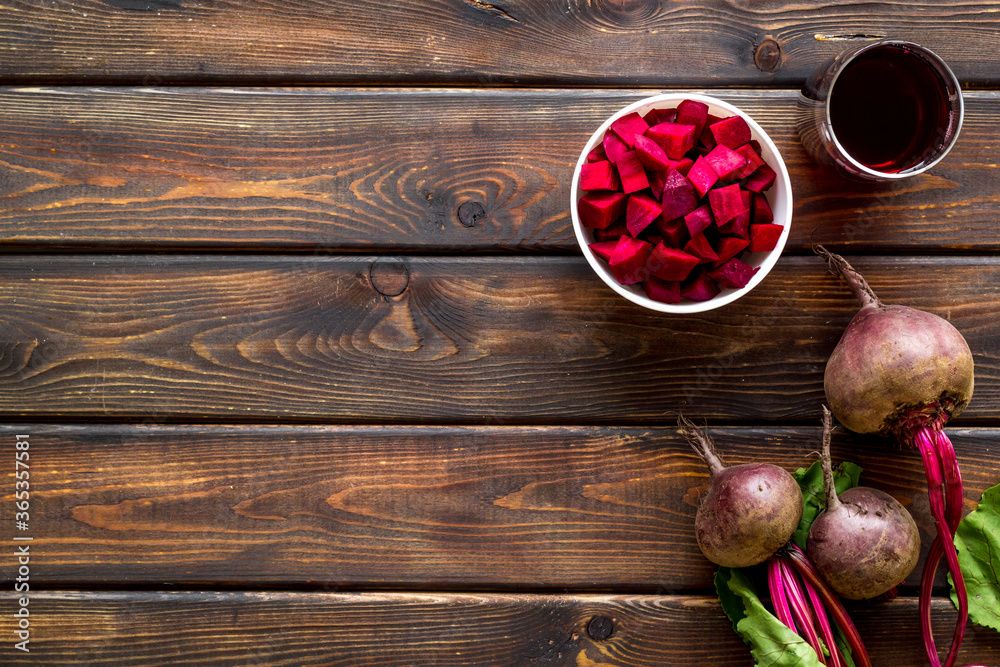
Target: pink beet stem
<point>779,599</point>
<point>836,659</point>
<point>797,601</point>
<point>857,283</point>
<point>929,447</point>
<point>834,606</point>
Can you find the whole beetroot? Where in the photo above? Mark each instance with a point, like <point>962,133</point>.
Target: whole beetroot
<point>864,542</point>
<point>750,510</point>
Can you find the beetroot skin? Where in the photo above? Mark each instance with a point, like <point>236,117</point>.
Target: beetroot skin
<point>750,510</point>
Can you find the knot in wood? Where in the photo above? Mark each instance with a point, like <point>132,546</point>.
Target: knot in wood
<point>600,628</point>
<point>389,277</point>
<point>767,55</point>
<point>471,212</point>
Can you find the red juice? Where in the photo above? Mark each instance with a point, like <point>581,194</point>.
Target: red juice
<point>889,109</point>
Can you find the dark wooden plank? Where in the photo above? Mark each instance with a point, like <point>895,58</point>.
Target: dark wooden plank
<point>242,628</point>
<point>636,42</point>
<point>439,340</point>
<point>320,170</point>
<point>449,508</point>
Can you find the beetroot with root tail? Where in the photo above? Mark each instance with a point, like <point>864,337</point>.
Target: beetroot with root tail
<point>749,511</point>
<point>905,372</point>
<point>864,543</point>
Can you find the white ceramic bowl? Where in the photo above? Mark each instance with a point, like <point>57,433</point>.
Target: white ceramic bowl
<point>779,196</point>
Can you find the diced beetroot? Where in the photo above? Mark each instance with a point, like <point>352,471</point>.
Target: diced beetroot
<point>699,219</point>
<point>761,180</point>
<point>734,273</point>
<point>725,161</point>
<point>651,154</point>
<point>764,237</point>
<point>670,263</point>
<point>675,231</point>
<point>657,116</point>
<point>604,249</point>
<point>701,248</point>
<point>631,173</point>
<point>597,154</point>
<point>641,210</point>
<point>657,179</point>
<point>628,261</point>
<point>728,247</point>
<point>628,127</point>
<point>731,132</point>
<point>599,209</point>
<point>753,161</point>
<point>699,288</point>
<point>679,197</point>
<point>702,176</point>
<point>739,223</point>
<point>762,213</point>
<point>676,139</point>
<point>599,176</point>
<point>756,146</point>
<point>652,237</point>
<point>612,231</point>
<point>692,112</point>
<point>726,203</point>
<point>707,139</point>
<point>662,290</point>
<point>683,165</point>
<point>614,147</point>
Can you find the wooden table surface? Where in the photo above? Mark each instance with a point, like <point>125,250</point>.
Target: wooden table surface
<point>314,373</point>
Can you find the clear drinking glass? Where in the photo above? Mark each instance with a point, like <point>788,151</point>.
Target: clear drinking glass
<point>881,111</point>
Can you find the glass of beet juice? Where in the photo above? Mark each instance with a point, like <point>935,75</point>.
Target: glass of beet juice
<point>881,111</point>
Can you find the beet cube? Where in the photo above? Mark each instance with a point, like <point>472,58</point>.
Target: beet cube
<point>657,116</point>
<point>731,132</point>
<point>761,180</point>
<point>597,154</point>
<point>753,161</point>
<point>728,247</point>
<point>725,161</point>
<point>679,196</point>
<point>612,231</point>
<point>670,263</point>
<point>651,154</point>
<point>641,210</point>
<point>699,288</point>
<point>683,165</point>
<point>628,127</point>
<point>726,203</point>
<point>676,139</point>
<point>702,176</point>
<point>628,261</point>
<point>739,223</point>
<point>599,209</point>
<point>699,219</point>
<point>675,232</point>
<point>614,147</point>
<point>631,173</point>
<point>701,248</point>
<point>604,249</point>
<point>599,176</point>
<point>657,179</point>
<point>734,273</point>
<point>662,290</point>
<point>707,139</point>
<point>762,213</point>
<point>692,112</point>
<point>764,237</point>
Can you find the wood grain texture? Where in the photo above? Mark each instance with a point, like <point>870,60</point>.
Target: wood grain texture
<point>613,43</point>
<point>396,629</point>
<point>316,171</point>
<point>448,508</point>
<point>439,340</point>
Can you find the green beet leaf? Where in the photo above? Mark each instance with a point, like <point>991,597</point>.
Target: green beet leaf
<point>978,542</point>
<point>771,643</point>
